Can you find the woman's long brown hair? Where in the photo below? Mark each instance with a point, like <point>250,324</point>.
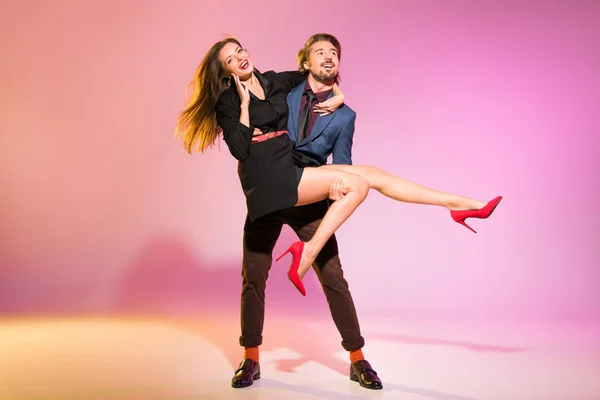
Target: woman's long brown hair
<point>197,124</point>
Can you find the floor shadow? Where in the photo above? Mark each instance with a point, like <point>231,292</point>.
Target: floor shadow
<point>479,347</point>
<point>332,395</point>
<point>311,391</point>
<point>427,393</point>
<point>166,279</point>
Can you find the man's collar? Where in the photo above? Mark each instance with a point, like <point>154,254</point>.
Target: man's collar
<point>307,86</point>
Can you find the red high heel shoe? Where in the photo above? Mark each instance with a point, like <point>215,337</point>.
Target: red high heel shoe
<point>296,250</point>
<point>487,210</point>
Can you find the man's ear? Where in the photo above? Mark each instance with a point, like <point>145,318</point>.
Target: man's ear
<point>306,65</point>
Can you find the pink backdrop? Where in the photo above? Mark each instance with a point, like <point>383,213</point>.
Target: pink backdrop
<point>101,209</point>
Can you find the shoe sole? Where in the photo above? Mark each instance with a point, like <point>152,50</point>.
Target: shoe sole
<point>241,386</point>
<point>354,378</point>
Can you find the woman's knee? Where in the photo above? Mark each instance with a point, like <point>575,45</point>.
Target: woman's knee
<point>373,175</point>
<point>360,185</point>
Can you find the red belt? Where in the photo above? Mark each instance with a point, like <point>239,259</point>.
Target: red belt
<point>267,136</point>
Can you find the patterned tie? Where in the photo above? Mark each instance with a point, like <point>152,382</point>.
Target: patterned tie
<point>304,113</point>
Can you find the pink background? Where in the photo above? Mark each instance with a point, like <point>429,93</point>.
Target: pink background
<point>102,211</point>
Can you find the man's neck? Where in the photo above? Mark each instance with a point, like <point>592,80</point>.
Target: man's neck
<point>318,86</point>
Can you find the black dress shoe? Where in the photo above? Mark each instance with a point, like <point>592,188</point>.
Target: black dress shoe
<point>362,373</point>
<point>245,375</point>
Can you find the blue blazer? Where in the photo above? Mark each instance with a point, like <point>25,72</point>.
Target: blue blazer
<point>331,134</point>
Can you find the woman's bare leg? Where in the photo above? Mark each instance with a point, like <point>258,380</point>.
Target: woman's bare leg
<point>314,187</point>
<point>406,191</point>
<point>315,183</point>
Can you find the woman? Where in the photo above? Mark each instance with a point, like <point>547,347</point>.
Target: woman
<point>231,96</point>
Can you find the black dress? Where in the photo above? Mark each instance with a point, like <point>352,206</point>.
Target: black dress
<point>269,171</point>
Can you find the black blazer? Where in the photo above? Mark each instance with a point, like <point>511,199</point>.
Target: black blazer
<point>267,172</point>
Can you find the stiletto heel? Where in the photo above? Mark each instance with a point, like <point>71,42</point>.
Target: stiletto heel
<point>462,222</point>
<point>296,250</point>
<point>487,210</point>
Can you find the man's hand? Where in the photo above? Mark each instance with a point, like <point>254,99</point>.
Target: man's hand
<point>337,190</point>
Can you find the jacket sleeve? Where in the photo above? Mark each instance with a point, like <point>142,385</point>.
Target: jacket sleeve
<point>237,135</point>
<point>342,150</point>
<point>290,79</point>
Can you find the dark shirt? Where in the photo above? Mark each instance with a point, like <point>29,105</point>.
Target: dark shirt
<point>267,170</point>
<point>268,115</point>
<point>312,116</point>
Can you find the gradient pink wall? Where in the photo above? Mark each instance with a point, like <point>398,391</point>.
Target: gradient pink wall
<point>102,210</point>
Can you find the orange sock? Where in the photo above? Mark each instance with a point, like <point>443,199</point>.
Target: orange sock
<point>251,353</point>
<point>356,355</point>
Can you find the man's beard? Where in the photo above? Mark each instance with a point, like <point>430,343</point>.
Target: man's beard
<point>325,77</point>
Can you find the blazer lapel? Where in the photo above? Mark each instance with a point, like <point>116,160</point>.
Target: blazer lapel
<point>266,85</point>
<point>320,125</point>
<point>294,110</point>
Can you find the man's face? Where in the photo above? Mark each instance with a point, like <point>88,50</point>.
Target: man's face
<point>322,61</point>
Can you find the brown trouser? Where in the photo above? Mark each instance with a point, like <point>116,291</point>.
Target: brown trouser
<point>260,237</point>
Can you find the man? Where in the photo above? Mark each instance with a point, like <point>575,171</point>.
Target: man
<point>316,137</point>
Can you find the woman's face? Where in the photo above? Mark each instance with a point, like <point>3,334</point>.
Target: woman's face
<point>235,60</point>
